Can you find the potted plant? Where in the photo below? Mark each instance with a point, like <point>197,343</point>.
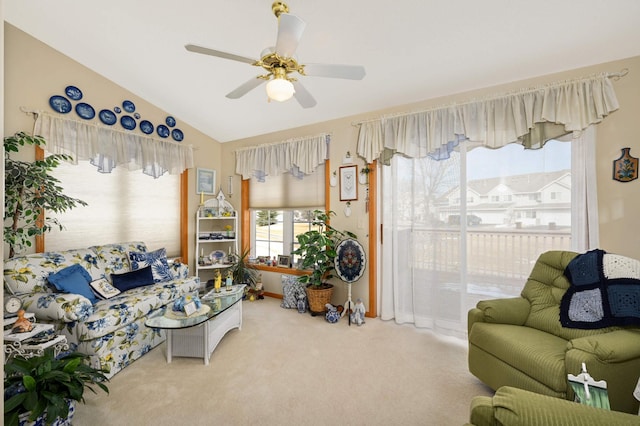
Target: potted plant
<point>242,271</point>
<point>317,250</point>
<point>29,192</point>
<point>43,387</point>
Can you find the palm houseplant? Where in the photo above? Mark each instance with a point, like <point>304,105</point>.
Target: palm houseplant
<point>317,251</point>
<point>29,192</point>
<point>44,389</point>
<point>243,272</point>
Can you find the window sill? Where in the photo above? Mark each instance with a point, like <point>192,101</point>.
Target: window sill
<point>280,269</point>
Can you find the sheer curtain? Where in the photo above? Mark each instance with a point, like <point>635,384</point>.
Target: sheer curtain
<point>300,157</point>
<point>107,148</point>
<point>432,274</point>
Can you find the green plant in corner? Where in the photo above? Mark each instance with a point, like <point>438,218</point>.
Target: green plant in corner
<point>317,249</point>
<point>43,385</point>
<point>242,272</point>
<point>29,192</point>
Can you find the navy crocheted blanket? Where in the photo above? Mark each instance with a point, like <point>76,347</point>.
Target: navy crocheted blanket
<point>604,291</point>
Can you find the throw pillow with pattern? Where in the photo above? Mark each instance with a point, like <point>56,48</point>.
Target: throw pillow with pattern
<point>156,259</point>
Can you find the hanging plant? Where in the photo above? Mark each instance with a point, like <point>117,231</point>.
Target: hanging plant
<point>30,191</point>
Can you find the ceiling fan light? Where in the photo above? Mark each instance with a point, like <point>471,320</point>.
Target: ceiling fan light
<point>280,89</point>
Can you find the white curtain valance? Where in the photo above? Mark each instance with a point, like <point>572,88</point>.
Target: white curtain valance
<point>299,156</point>
<point>529,117</point>
<point>107,148</point>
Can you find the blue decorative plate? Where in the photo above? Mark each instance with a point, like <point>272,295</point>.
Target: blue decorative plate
<point>117,110</point>
<point>60,104</point>
<point>73,93</point>
<point>85,111</point>
<point>107,117</point>
<point>350,260</point>
<point>170,121</point>
<point>163,131</point>
<point>128,122</point>
<point>146,127</point>
<point>136,116</point>
<point>128,106</point>
<point>177,135</point>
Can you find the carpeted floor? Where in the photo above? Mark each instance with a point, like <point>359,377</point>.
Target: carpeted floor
<point>286,368</point>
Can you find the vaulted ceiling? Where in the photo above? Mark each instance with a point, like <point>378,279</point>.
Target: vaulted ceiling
<point>412,50</point>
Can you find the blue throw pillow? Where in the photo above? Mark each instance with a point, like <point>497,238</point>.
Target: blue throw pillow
<point>73,279</point>
<point>156,259</point>
<point>133,279</point>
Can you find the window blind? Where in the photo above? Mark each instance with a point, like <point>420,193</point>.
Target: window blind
<point>123,206</point>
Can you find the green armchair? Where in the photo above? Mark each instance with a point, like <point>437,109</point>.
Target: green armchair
<point>517,407</point>
<point>520,342</point>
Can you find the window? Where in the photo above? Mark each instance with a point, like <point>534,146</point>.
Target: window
<point>280,209</point>
<point>276,231</point>
<point>123,206</point>
<point>438,272</point>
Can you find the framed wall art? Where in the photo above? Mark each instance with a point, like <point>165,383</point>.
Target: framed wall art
<point>348,183</point>
<point>205,181</point>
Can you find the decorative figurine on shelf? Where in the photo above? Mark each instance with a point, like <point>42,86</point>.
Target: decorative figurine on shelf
<point>357,316</point>
<point>218,281</point>
<point>22,324</point>
<point>332,315</point>
<point>229,281</point>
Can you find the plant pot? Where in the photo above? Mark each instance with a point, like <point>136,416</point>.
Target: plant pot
<point>318,297</point>
<point>57,422</point>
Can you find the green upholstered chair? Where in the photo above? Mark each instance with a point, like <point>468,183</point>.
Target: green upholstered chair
<point>520,342</point>
<point>517,407</point>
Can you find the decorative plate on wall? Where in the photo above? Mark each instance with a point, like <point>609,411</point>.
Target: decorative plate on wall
<point>163,131</point>
<point>350,261</point>
<point>60,104</point>
<point>117,110</point>
<point>85,111</point>
<point>73,93</point>
<point>170,121</point>
<point>128,106</point>
<point>146,127</point>
<point>128,122</point>
<point>107,117</point>
<point>177,135</point>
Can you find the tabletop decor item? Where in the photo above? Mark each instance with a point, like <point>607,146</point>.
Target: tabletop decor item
<point>187,304</point>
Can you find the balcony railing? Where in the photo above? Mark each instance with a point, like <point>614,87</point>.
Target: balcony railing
<point>501,259</point>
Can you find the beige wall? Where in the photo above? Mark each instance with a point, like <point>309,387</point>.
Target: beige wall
<point>34,72</point>
<point>619,203</point>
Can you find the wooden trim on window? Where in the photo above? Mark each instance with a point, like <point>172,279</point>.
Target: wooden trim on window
<point>373,241</point>
<point>245,217</point>
<point>184,216</point>
<point>40,220</point>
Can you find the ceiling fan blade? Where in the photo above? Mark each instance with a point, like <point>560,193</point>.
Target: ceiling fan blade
<point>290,29</point>
<point>349,72</point>
<point>303,96</point>
<point>219,54</point>
<point>245,88</point>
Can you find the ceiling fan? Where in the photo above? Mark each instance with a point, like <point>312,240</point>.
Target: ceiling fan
<point>280,63</point>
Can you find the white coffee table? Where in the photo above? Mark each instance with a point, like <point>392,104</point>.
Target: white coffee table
<point>197,336</point>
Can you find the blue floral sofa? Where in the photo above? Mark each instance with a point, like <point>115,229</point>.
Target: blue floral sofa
<point>111,331</point>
